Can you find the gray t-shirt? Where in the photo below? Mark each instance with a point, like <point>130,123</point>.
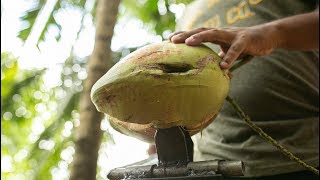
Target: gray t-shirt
<point>280,92</point>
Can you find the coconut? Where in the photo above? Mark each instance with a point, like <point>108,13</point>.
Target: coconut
<point>160,86</point>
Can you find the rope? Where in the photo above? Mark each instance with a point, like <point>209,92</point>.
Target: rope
<point>243,61</point>
<point>283,150</point>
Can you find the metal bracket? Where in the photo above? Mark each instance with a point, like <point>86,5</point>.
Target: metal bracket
<point>174,146</point>
<point>175,161</point>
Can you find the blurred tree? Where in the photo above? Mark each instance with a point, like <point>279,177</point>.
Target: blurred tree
<point>89,133</point>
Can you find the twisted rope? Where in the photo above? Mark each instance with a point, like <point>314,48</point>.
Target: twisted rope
<point>283,150</point>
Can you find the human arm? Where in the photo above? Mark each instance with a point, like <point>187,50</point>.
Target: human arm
<point>299,32</point>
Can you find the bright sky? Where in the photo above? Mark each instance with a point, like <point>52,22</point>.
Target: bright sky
<point>52,54</point>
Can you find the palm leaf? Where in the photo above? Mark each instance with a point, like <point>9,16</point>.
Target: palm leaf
<point>16,88</point>
<point>31,16</point>
<point>64,113</point>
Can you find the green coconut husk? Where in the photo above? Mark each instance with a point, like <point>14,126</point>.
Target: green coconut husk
<point>164,85</point>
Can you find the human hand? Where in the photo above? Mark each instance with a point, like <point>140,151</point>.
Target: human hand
<point>234,42</point>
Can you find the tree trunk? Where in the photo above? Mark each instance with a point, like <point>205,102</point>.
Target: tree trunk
<point>88,134</point>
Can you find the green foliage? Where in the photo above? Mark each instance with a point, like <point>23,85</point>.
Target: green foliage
<point>37,123</point>
<point>79,3</point>
<point>24,104</point>
<point>154,13</point>
<point>14,84</point>
<point>31,16</point>
<point>17,108</point>
<point>52,21</point>
<point>9,69</point>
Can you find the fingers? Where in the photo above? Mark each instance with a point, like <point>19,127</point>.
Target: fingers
<point>181,36</point>
<point>221,54</point>
<point>222,37</point>
<point>230,74</point>
<point>216,36</point>
<point>231,45</point>
<point>232,54</point>
<point>224,48</point>
<point>173,34</point>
